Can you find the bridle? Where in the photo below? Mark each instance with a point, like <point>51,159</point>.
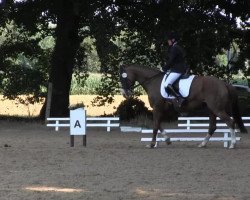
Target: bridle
<point>127,84</point>
<point>124,79</point>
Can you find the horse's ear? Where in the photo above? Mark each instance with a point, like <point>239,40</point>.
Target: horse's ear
<point>121,71</point>
<point>122,68</point>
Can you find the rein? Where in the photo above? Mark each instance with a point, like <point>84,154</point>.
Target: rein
<point>124,79</point>
<point>151,78</point>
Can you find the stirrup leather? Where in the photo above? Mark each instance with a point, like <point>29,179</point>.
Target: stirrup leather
<point>171,90</point>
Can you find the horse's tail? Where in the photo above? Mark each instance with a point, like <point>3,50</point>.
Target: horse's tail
<point>235,109</point>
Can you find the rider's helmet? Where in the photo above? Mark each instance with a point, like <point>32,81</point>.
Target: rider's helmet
<point>173,35</point>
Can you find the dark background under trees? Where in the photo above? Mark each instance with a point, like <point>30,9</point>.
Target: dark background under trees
<point>132,31</point>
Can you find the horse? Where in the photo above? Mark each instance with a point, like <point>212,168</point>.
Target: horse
<point>220,98</point>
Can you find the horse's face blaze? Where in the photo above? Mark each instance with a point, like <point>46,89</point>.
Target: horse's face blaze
<point>125,83</point>
<point>124,75</point>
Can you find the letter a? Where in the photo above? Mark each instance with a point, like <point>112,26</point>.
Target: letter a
<point>77,124</point>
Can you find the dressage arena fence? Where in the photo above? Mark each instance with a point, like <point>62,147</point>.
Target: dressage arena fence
<point>192,126</point>
<point>78,123</point>
<point>106,122</point>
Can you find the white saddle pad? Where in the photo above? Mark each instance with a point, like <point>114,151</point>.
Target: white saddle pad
<point>184,87</point>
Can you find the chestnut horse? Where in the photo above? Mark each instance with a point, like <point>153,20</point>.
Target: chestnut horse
<point>216,94</point>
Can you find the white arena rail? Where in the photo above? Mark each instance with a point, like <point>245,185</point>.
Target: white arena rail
<point>197,122</point>
<point>106,122</point>
<point>193,125</point>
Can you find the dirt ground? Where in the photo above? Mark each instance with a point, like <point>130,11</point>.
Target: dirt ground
<point>38,164</point>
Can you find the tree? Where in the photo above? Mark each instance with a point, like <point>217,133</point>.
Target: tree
<point>67,44</point>
<point>207,28</point>
<point>22,64</point>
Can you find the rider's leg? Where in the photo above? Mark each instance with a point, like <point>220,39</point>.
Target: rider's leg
<point>172,77</point>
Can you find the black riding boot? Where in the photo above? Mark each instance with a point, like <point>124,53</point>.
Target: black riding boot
<point>180,99</point>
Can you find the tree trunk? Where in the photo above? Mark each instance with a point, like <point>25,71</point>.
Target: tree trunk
<point>67,44</point>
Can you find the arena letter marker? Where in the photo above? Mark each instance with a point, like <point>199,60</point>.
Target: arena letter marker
<point>78,125</point>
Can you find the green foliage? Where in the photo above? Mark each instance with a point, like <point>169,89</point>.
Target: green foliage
<point>112,33</point>
<point>90,85</point>
<point>47,43</point>
<point>135,47</point>
<point>24,65</point>
<point>132,108</point>
<point>221,59</point>
<point>84,87</point>
<point>21,80</point>
<point>240,81</point>
<point>93,63</point>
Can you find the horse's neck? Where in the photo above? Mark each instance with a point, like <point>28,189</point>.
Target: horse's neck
<point>144,77</point>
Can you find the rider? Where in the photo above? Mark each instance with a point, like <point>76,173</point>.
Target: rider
<point>176,64</point>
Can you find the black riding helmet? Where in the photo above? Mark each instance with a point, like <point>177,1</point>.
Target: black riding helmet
<point>173,35</point>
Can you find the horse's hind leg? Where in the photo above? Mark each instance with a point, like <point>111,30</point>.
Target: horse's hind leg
<point>211,129</point>
<point>231,124</point>
<point>165,135</point>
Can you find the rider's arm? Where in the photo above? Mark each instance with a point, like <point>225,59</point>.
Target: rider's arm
<point>170,61</point>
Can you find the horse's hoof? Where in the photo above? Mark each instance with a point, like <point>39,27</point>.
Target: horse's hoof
<point>150,146</point>
<point>168,142</point>
<point>201,146</point>
<point>232,146</point>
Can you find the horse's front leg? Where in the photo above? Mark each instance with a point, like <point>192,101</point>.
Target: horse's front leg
<point>156,126</point>
<point>157,116</point>
<point>153,142</point>
<point>154,137</point>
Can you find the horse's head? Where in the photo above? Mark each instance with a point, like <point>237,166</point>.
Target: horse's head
<point>127,81</point>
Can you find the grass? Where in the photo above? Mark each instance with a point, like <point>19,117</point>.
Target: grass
<point>88,87</point>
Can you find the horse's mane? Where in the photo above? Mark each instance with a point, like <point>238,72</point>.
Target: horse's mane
<point>143,67</point>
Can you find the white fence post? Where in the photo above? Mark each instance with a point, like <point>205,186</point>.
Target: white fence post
<point>188,123</point>
<point>108,128</point>
<point>57,127</point>
<point>226,138</point>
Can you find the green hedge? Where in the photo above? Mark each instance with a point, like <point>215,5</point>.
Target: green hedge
<point>88,87</point>
<point>240,81</point>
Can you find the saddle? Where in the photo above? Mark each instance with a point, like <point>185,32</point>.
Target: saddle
<point>176,83</point>
<point>181,85</point>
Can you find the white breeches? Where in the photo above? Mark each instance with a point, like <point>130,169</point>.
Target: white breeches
<point>171,78</point>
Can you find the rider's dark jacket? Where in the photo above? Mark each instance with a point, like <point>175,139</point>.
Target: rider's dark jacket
<point>176,60</point>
